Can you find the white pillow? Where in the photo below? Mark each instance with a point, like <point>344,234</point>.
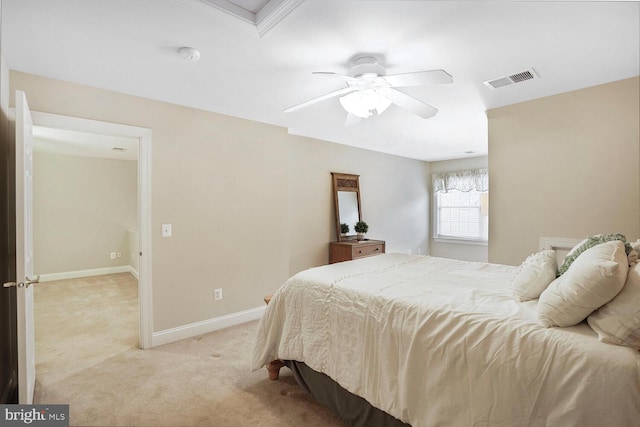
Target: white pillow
<point>618,321</point>
<point>592,280</point>
<point>534,275</point>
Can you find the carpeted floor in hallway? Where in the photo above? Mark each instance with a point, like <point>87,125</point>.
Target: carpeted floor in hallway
<point>87,356</point>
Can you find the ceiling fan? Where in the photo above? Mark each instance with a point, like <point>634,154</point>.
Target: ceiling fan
<point>369,89</point>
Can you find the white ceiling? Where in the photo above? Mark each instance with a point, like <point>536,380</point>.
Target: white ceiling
<point>131,46</point>
<point>250,5</point>
<point>83,144</point>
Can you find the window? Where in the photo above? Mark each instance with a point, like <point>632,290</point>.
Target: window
<point>461,205</point>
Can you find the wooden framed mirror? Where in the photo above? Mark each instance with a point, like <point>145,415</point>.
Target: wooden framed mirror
<point>346,196</point>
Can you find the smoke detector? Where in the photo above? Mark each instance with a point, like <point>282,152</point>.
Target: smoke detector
<point>190,54</point>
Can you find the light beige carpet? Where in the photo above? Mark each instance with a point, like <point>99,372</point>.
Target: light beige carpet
<point>87,356</point>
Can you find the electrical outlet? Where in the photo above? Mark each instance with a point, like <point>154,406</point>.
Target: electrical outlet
<point>119,255</point>
<point>217,294</point>
<point>113,255</point>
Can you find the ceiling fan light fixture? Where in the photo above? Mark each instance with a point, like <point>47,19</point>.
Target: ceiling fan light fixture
<point>381,103</point>
<point>362,103</point>
<point>366,67</point>
<point>352,104</point>
<point>368,89</point>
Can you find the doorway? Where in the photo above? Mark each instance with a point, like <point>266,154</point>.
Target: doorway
<point>143,138</point>
<point>85,191</point>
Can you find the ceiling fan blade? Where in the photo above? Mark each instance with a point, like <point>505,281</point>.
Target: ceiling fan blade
<point>351,120</point>
<point>335,93</point>
<point>341,76</point>
<point>409,103</point>
<point>419,78</point>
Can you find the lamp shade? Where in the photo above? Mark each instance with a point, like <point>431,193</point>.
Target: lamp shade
<point>362,103</point>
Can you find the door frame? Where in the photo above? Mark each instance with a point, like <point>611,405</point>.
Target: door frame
<point>143,135</point>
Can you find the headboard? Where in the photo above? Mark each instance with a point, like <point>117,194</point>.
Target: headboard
<point>562,245</point>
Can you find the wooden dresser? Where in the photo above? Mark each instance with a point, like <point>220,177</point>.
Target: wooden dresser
<point>353,249</point>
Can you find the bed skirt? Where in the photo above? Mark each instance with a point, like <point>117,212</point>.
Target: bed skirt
<point>352,409</point>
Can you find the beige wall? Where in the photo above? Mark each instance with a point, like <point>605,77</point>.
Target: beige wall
<point>82,209</point>
<point>250,204</point>
<point>463,251</point>
<point>393,191</point>
<point>564,166</point>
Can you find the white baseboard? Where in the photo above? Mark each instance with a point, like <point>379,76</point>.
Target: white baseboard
<point>199,328</point>
<point>86,273</point>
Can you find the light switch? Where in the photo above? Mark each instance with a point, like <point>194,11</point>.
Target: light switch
<point>166,230</point>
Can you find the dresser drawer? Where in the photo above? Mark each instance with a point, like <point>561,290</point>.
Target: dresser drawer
<point>349,250</point>
<point>360,250</point>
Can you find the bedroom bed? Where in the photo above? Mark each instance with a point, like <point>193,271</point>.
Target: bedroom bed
<point>402,339</point>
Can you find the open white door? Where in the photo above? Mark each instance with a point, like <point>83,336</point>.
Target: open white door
<point>24,250</point>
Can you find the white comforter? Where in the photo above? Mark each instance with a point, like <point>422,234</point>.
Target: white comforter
<point>437,342</point>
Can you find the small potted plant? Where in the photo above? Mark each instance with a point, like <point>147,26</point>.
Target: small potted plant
<point>361,228</point>
<point>344,229</point>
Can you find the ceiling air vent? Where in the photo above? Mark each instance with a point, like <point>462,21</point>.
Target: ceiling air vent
<point>522,76</point>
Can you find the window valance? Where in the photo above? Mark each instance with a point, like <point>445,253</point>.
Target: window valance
<point>462,180</point>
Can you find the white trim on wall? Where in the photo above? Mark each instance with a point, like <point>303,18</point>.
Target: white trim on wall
<point>144,200</point>
<point>199,328</point>
<point>85,273</point>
